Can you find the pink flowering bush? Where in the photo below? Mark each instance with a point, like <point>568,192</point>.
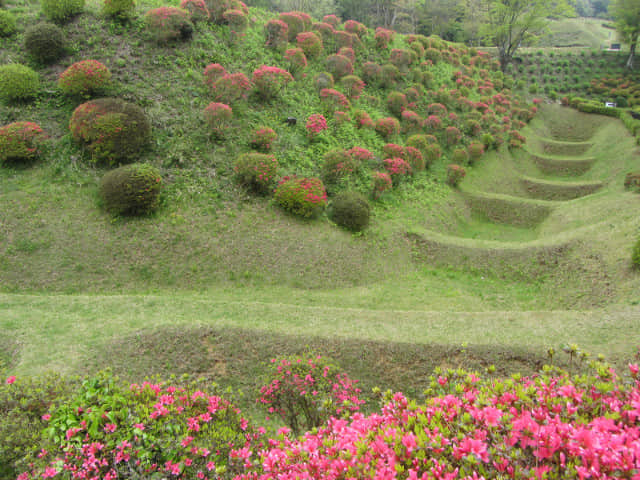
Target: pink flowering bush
<point>393,150</point>
<point>411,121</point>
<point>352,85</point>
<point>20,142</point>
<point>109,431</point>
<point>346,39</point>
<point>453,135</point>
<point>387,127</point>
<point>432,153</point>
<point>256,171</point>
<point>433,122</point>
<point>361,155</point>
<point>355,28</point>
<point>475,150</point>
<point>332,20</point>
<point>231,87</point>
<point>212,73</point>
<point>166,24</point>
<point>340,118</point>
<point>337,165</point>
<point>316,124</point>
<point>262,138</point>
<point>296,61</point>
<point>549,426</point>
<point>269,81</point>
<point>305,391</point>
<point>396,103</point>
<point>455,174</point>
<point>310,43</point>
<point>305,197</point>
<point>383,38</point>
<point>402,58</point>
<point>516,139</point>
<point>333,99</point>
<point>372,73</point>
<point>277,34</point>
<point>362,119</point>
<point>398,168</point>
<point>218,117</point>
<point>460,156</point>
<point>198,10</point>
<point>415,158</point>
<point>323,80</point>
<point>237,21</point>
<point>339,66</point>
<point>381,183</point>
<point>297,22</point>
<point>349,53</point>
<point>84,78</point>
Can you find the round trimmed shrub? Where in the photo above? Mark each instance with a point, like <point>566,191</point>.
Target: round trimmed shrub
<point>305,197</point>
<point>350,210</point>
<point>372,73</point>
<point>256,171</point>
<point>455,174</point>
<point>263,138</point>
<point>45,42</point>
<point>20,142</point>
<point>389,76</point>
<point>236,19</point>
<point>353,86</point>
<point>166,24</point>
<point>396,103</point>
<point>310,43</point>
<point>337,165</point>
<point>323,80</point>
<point>295,23</point>
<point>18,82</point>
<point>460,156</point>
<point>339,66</point>
<point>296,60</point>
<point>217,116</point>
<point>388,127</point>
<point>113,130</point>
<point>131,190</point>
<point>84,78</point>
<point>61,11</point>
<point>198,10</point>
<point>269,81</point>
<point>7,23</point>
<point>121,10</point>
<point>276,32</point>
<point>231,87</point>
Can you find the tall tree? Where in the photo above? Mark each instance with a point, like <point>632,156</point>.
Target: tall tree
<point>510,23</point>
<point>626,14</point>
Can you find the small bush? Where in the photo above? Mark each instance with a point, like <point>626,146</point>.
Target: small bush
<point>393,150</point>
<point>460,156</point>
<point>381,183</point>
<point>269,81</point>
<point>131,190</point>
<point>305,197</point>
<point>296,60</point>
<point>212,73</point>
<point>332,20</point>
<point>339,66</point>
<point>276,33</point>
<point>84,78</point>
<point>237,20</point>
<point>396,103</point>
<point>45,42</point>
<point>310,43</point>
<point>61,11</point>
<point>398,168</point>
<point>256,171</point>
<point>372,73</point>
<point>453,135</point>
<point>383,38</point>
<point>355,28</point>
<point>166,24</point>
<point>346,39</point>
<point>112,129</point>
<point>121,10</point>
<point>635,255</point>
<point>18,82</point>
<point>197,9</point>
<point>7,24</point>
<point>362,119</point>
<point>350,210</point>
<point>432,153</point>
<point>316,124</point>
<point>455,174</point>
<point>218,116</point>
<point>20,142</point>
<point>323,80</point>
<point>349,53</point>
<point>305,391</point>
<point>415,159</point>
<point>388,127</point>
<point>231,87</point>
<point>402,58</point>
<point>262,139</point>
<point>334,100</point>
<point>475,151</point>
<point>337,165</point>
<point>390,75</point>
<point>296,23</point>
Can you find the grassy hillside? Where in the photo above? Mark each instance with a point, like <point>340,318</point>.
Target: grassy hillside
<point>530,252</point>
<point>579,33</point>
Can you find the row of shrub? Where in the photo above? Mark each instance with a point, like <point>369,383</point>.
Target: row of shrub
<point>551,425</point>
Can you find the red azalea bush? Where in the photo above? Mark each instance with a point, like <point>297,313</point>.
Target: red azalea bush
<point>109,431</point>
<point>296,60</point>
<point>305,197</point>
<point>355,28</point>
<point>231,87</point>
<point>169,23</point>
<point>340,118</point>
<point>337,165</point>
<point>372,73</point>
<point>198,10</point>
<point>389,76</point>
<point>381,183</point>
<point>362,119</point>
<point>411,121</point>
<point>383,37</point>
<point>433,122</point>
<point>310,43</point>
<point>549,426</point>
<point>333,99</point>
<point>353,86</point>
<point>455,174</point>
<point>316,123</point>
<point>415,158</point>
<point>392,150</point>
<point>263,138</point>
<point>388,127</point>
<point>256,171</point>
<point>516,139</point>
<point>325,31</point>
<point>349,53</point>
<point>346,39</point>
<point>460,156</point>
<point>437,109</point>
<point>277,34</point>
<point>212,73</point>
<point>361,155</point>
<point>401,58</point>
<point>332,20</point>
<point>398,168</point>
<point>20,142</point>
<point>432,153</point>
<point>339,66</point>
<point>297,23</point>
<point>236,19</point>
<point>84,78</point>
<point>218,116</point>
<point>269,81</point>
<point>323,80</point>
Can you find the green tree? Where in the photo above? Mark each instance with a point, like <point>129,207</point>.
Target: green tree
<point>626,14</point>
